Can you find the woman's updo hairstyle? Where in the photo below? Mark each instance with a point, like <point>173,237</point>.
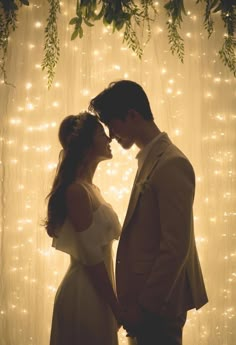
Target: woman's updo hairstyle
<point>76,133</point>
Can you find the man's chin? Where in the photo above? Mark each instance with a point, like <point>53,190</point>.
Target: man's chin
<point>126,145</point>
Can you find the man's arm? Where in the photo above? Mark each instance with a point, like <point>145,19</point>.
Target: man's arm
<point>175,187</point>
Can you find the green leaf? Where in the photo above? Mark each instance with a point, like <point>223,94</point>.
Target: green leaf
<point>80,32</point>
<point>217,9</point>
<point>75,34</point>
<point>213,4</point>
<point>99,15</point>
<point>108,17</point>
<point>88,23</point>
<point>73,21</point>
<point>25,2</point>
<point>118,25</point>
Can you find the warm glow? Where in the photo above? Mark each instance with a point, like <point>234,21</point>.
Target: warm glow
<point>193,102</point>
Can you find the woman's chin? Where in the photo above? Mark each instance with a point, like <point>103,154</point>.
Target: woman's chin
<point>107,156</point>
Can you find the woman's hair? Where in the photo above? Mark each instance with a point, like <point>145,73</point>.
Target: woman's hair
<point>76,135</point>
<point>118,98</point>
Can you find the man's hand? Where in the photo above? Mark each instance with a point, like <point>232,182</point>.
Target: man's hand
<point>132,318</point>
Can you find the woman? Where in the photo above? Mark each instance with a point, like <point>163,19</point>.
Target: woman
<point>83,225</point>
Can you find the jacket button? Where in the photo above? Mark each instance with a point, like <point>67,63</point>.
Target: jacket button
<point>118,262</point>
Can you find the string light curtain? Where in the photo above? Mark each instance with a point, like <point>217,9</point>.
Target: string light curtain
<point>194,102</point>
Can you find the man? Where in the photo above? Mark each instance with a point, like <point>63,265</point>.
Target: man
<point>158,274</point>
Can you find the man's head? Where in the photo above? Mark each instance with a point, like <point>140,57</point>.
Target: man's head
<point>119,106</point>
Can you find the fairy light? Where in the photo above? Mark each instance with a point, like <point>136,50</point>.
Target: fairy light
<point>85,92</point>
<point>38,25</point>
<point>31,46</point>
<point>32,156</point>
<point>29,106</point>
<point>28,86</point>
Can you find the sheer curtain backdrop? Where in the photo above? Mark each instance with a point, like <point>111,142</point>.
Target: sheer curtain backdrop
<point>194,102</point>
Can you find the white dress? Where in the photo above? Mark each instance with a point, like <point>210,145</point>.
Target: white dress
<point>80,316</point>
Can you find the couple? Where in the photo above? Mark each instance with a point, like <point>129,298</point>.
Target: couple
<point>158,275</point>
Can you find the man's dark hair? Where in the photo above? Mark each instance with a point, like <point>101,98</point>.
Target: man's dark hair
<point>118,98</point>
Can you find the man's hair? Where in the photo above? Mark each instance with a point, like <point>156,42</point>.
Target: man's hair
<point>118,98</point>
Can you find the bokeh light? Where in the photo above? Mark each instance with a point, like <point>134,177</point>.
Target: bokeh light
<point>193,102</point>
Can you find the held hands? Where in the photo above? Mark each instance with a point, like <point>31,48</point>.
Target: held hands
<point>118,315</point>
<point>131,319</point>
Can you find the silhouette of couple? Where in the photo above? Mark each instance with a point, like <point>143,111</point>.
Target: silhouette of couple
<point>158,275</point>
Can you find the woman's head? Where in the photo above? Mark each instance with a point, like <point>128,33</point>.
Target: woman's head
<point>82,138</point>
<point>76,134</point>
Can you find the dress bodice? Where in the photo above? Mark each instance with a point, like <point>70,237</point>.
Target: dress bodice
<point>88,246</point>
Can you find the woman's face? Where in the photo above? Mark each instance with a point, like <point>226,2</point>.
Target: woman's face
<point>101,144</point>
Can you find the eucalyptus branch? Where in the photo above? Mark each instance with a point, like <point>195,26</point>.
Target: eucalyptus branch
<point>129,15</point>
<point>8,20</point>
<point>227,54</point>
<point>208,21</point>
<point>117,13</point>
<point>175,9</point>
<point>175,40</point>
<point>146,5</point>
<point>51,45</point>
<point>228,51</point>
<point>131,40</point>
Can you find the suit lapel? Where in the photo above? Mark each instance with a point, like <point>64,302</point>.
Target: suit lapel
<point>149,164</point>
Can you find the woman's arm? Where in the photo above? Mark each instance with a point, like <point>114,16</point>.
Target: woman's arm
<point>80,213</point>
<point>100,280</point>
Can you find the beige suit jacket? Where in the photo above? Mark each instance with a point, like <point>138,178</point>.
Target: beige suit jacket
<point>157,264</point>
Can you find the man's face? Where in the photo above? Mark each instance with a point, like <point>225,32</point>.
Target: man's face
<point>121,130</point>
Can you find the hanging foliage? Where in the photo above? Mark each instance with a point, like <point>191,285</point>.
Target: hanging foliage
<point>51,44</point>
<point>120,14</point>
<point>8,19</point>
<point>127,15</point>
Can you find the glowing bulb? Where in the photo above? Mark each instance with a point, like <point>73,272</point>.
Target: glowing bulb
<point>85,92</point>
<point>51,166</point>
<point>116,67</point>
<point>177,132</point>
<point>220,117</point>
<point>38,25</point>
<point>28,86</point>
<point>30,106</point>
<point>16,121</point>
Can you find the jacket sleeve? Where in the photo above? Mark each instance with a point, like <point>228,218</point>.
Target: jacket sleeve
<point>174,185</point>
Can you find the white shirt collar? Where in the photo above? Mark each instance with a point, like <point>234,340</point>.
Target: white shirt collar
<point>142,154</point>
